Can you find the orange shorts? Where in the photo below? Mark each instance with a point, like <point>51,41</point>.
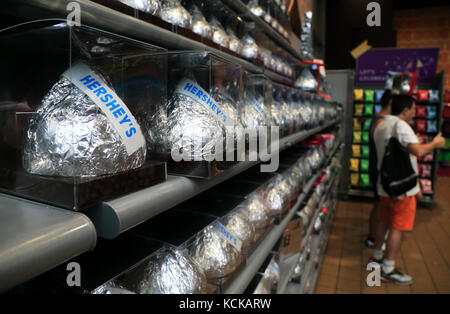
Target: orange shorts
<point>398,214</point>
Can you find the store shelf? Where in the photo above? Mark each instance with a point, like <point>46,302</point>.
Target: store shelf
<point>241,8</point>
<point>113,217</point>
<point>36,238</point>
<point>290,262</point>
<point>101,17</point>
<point>254,262</point>
<point>364,193</point>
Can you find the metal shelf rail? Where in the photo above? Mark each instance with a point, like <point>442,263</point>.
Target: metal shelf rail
<point>256,259</point>
<point>294,288</point>
<point>291,261</point>
<point>241,8</point>
<point>36,238</point>
<point>113,217</point>
<point>101,17</point>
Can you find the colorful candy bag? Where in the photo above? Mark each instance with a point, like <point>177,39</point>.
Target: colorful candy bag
<point>356,150</point>
<point>369,95</point>
<point>365,151</point>
<point>364,165</point>
<point>421,111</point>
<point>359,110</point>
<point>365,180</point>
<point>422,95</point>
<point>356,124</point>
<point>368,110</point>
<point>365,137</point>
<point>354,179</point>
<point>431,126</point>
<point>426,186</point>
<point>357,137</point>
<point>431,112</point>
<point>378,95</point>
<point>354,164</point>
<point>377,109</point>
<point>358,95</point>
<point>433,95</point>
<point>421,125</point>
<point>366,126</point>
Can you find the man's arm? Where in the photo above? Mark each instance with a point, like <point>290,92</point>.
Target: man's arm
<point>420,150</point>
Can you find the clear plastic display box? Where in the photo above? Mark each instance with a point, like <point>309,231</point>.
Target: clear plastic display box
<point>198,129</point>
<point>75,111</point>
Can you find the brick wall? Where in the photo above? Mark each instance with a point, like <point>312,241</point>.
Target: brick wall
<point>427,27</point>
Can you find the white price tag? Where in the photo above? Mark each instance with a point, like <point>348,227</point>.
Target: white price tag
<point>192,90</point>
<point>229,237</point>
<point>112,106</point>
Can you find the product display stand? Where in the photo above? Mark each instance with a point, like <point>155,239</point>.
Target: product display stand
<point>366,191</point>
<point>101,17</point>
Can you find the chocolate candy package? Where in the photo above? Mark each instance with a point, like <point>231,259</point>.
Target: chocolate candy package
<point>421,125</point>
<point>431,126</point>
<point>356,150</point>
<point>354,179</point>
<point>354,164</point>
<point>358,94</point>
<point>377,109</point>
<point>364,165</point>
<point>426,186</point>
<point>79,132</point>
<point>431,112</point>
<point>365,137</point>
<point>433,95</point>
<point>369,95</point>
<point>422,95</point>
<point>174,13</point>
<point>357,137</point>
<point>356,124</point>
<point>366,126</point>
<point>425,170</point>
<point>202,113</point>
<point>359,110</point>
<point>421,111</point>
<point>364,151</point>
<point>368,109</point>
<point>378,95</point>
<point>365,180</point>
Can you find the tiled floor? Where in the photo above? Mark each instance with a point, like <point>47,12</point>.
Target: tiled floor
<point>425,252</point>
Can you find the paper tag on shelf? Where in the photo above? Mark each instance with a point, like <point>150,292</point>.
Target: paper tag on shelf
<point>192,90</point>
<point>229,237</point>
<point>112,106</point>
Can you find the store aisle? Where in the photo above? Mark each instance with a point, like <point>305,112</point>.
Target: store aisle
<point>425,253</point>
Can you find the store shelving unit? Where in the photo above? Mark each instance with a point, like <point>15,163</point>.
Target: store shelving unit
<point>437,84</point>
<point>101,17</point>
<point>256,259</point>
<point>288,287</point>
<point>113,217</point>
<point>241,8</point>
<point>40,237</point>
<point>35,238</point>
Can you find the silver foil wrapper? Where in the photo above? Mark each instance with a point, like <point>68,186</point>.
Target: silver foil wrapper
<point>174,13</point>
<point>220,37</point>
<point>240,225</point>
<point>172,271</point>
<point>185,124</point>
<point>235,44</point>
<point>69,135</point>
<point>200,26</point>
<point>270,279</point>
<point>256,9</point>
<point>306,81</point>
<point>258,212</point>
<point>112,288</point>
<point>215,255</point>
<point>250,49</point>
<point>149,6</point>
<point>278,195</point>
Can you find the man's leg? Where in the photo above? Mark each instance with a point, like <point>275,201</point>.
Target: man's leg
<point>373,222</point>
<point>380,232</point>
<point>402,219</point>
